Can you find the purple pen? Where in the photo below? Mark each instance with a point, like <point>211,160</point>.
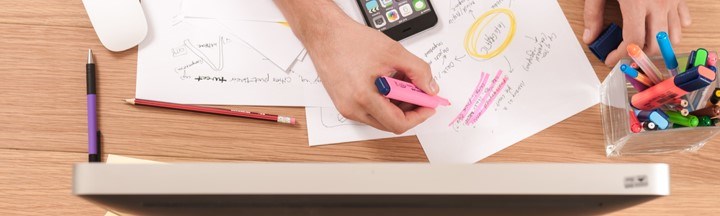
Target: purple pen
<point>93,132</point>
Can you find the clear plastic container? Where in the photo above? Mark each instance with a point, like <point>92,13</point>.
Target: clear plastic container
<point>615,94</point>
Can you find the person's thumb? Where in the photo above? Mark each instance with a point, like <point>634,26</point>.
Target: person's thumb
<point>417,70</point>
<point>594,10</point>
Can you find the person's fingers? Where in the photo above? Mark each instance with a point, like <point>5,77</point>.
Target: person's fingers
<point>684,13</point>
<point>369,120</point>
<point>674,26</point>
<point>633,32</point>
<point>593,15</point>
<point>392,117</point>
<point>634,26</point>
<point>656,22</point>
<point>617,54</point>
<point>415,69</point>
<point>406,106</point>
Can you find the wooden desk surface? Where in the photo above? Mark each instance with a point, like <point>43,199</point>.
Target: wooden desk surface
<point>43,46</point>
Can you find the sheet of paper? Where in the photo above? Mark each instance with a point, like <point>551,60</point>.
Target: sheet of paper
<point>511,72</point>
<point>327,126</point>
<point>199,61</point>
<point>118,159</point>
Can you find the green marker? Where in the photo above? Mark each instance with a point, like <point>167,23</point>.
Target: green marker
<point>678,119</point>
<point>704,121</point>
<point>701,56</point>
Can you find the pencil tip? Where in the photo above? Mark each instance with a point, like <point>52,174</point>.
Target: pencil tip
<point>130,101</point>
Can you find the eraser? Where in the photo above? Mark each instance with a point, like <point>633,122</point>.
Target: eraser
<point>608,41</point>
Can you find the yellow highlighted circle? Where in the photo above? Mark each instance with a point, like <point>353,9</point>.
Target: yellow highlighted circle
<point>473,34</point>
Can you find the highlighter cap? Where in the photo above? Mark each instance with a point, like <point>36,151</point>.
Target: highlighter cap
<point>667,50</point>
<point>694,78</point>
<point>382,85</point>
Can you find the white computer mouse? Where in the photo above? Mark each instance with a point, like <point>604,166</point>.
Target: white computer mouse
<point>120,24</point>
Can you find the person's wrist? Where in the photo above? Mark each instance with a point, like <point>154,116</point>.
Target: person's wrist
<point>316,30</point>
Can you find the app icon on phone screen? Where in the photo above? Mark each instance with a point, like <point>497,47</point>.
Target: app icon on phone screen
<point>372,6</point>
<point>386,3</point>
<point>393,15</point>
<point>379,21</point>
<point>406,10</point>
<point>419,5</point>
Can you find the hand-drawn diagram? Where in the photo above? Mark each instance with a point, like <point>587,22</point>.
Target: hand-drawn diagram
<point>331,119</point>
<point>488,29</point>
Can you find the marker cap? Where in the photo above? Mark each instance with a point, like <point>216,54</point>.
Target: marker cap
<point>667,50</point>
<point>694,78</point>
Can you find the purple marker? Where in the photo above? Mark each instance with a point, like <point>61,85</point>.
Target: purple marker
<point>93,132</point>
<point>636,84</point>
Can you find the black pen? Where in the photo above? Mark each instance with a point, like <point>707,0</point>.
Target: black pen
<point>93,131</point>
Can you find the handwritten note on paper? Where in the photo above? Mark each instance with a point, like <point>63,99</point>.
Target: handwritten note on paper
<point>327,126</point>
<point>200,61</point>
<point>520,76</point>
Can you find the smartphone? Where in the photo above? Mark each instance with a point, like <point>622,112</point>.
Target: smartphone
<point>398,19</point>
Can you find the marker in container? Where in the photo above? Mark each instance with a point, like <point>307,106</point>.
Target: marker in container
<point>667,52</point>
<point>683,111</point>
<point>644,62</point>
<point>712,111</point>
<point>656,116</point>
<point>690,60</point>
<point>634,66</point>
<point>715,98</point>
<point>649,126</point>
<point>407,92</point>
<point>635,125</point>
<point>672,88</point>
<point>701,57</point>
<point>636,84</point>
<point>676,118</point>
<point>712,59</point>
<point>682,102</point>
<point>632,73</point>
<point>713,68</point>
<point>705,121</point>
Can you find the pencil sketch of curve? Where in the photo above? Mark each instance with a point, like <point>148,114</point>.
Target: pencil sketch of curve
<point>332,119</point>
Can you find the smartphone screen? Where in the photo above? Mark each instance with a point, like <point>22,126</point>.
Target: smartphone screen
<point>386,14</point>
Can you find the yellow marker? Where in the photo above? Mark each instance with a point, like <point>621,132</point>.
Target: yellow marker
<point>473,34</point>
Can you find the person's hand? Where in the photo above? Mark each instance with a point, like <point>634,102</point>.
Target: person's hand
<point>349,57</point>
<point>642,20</point>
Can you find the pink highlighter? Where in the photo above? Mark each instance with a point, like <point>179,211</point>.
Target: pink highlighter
<point>407,92</point>
<point>670,89</point>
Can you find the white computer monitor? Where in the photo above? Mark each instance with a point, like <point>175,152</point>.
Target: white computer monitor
<point>369,189</point>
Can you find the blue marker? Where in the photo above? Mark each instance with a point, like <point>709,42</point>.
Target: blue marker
<point>667,52</point>
<point>656,116</point>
